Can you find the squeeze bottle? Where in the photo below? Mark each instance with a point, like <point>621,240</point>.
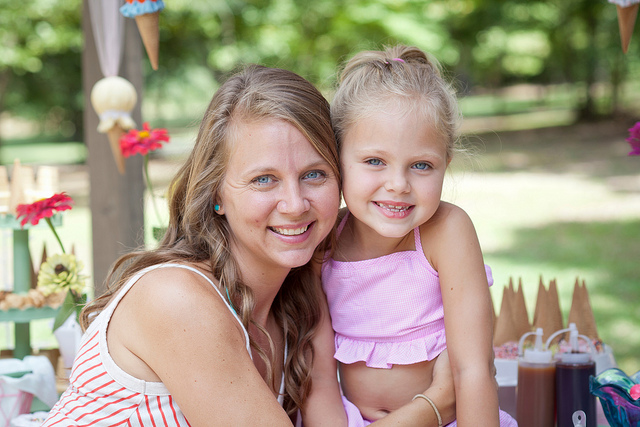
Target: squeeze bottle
<point>535,404</point>
<point>572,381</point>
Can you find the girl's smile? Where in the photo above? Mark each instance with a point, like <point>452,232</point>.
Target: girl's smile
<point>393,165</point>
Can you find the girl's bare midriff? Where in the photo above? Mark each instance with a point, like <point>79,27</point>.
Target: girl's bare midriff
<point>376,392</point>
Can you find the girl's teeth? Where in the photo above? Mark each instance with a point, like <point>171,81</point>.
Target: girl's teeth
<point>290,231</point>
<point>393,208</point>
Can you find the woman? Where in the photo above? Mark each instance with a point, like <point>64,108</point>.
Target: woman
<point>216,325</point>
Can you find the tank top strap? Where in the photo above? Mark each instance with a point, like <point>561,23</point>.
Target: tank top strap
<point>417,241</point>
<point>343,222</point>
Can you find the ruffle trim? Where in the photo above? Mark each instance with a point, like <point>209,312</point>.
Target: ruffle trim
<point>135,8</point>
<point>386,354</point>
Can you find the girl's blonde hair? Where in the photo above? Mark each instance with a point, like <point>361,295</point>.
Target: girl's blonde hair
<point>197,234</point>
<point>401,75</point>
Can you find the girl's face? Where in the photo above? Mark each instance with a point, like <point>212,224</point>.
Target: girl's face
<point>279,196</point>
<point>393,168</point>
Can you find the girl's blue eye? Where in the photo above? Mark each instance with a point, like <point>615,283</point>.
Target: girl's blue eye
<point>421,166</point>
<point>374,162</point>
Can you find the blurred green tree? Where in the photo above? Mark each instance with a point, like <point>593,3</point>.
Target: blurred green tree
<point>482,43</point>
<point>40,51</point>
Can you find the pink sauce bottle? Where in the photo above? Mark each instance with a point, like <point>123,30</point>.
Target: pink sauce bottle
<point>535,392</point>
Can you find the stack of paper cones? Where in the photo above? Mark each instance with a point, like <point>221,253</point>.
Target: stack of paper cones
<point>149,31</point>
<point>520,315</point>
<point>505,329</point>
<point>548,315</point>
<point>114,135</point>
<point>581,312</point>
<point>626,21</point>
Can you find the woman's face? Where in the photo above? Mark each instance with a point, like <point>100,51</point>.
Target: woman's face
<point>279,196</point>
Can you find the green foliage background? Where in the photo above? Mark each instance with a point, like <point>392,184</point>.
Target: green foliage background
<point>483,44</point>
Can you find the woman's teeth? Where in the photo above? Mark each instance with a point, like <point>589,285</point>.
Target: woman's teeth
<point>290,231</point>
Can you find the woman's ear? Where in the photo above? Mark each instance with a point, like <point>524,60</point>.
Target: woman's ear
<point>218,208</point>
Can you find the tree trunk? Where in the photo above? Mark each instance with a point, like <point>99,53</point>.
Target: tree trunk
<point>116,200</point>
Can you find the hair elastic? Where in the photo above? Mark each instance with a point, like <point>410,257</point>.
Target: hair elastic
<point>399,60</point>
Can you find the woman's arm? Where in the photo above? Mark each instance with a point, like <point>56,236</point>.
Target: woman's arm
<point>179,329</point>
<point>455,253</point>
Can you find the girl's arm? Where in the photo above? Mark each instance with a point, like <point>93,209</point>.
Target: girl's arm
<point>174,325</point>
<point>325,407</point>
<point>454,251</point>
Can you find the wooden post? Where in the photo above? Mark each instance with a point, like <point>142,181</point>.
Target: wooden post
<point>116,201</point>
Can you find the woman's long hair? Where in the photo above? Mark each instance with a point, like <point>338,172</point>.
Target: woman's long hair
<point>197,234</point>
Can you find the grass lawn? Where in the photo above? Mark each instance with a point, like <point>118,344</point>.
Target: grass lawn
<point>558,202</point>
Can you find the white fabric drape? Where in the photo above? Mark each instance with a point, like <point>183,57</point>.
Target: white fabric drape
<point>108,31</point>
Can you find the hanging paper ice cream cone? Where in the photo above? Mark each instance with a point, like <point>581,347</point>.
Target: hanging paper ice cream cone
<point>626,21</point>
<point>148,27</point>
<point>520,315</point>
<point>505,329</point>
<point>114,135</point>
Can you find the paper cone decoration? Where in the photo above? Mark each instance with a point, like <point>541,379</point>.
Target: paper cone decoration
<point>581,312</point>
<point>555,314</point>
<point>150,33</point>
<point>520,315</point>
<point>505,329</point>
<point>540,301</point>
<point>146,14</point>
<point>114,98</point>
<point>626,21</point>
<point>114,135</point>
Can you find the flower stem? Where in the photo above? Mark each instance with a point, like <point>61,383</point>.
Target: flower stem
<point>55,233</point>
<point>150,188</point>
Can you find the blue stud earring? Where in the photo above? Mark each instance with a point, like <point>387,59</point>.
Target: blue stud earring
<point>216,208</point>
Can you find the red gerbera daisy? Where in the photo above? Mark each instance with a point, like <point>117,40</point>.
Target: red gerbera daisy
<point>143,141</point>
<point>44,208</point>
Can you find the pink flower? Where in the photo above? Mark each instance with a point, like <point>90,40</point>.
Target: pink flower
<point>634,139</point>
<point>44,208</point>
<point>142,142</point>
<point>635,392</point>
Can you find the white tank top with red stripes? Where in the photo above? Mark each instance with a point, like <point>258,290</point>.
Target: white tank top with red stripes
<point>102,394</point>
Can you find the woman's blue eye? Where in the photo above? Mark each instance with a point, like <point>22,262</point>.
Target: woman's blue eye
<point>421,165</point>
<point>374,162</point>
<point>263,179</point>
<point>315,175</point>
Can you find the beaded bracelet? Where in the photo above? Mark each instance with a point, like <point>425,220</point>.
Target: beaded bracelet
<point>433,405</point>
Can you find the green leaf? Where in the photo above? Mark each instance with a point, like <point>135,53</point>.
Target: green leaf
<point>67,309</point>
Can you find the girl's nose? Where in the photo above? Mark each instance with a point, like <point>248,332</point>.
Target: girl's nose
<point>397,182</point>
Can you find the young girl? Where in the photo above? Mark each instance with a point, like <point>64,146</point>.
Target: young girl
<point>407,277</point>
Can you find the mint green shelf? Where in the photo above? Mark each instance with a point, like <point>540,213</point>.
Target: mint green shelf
<point>28,314</point>
<point>22,284</point>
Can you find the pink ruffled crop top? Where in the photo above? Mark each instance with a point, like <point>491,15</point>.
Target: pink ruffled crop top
<point>386,311</point>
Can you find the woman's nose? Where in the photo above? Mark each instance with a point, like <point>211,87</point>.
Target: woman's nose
<point>396,181</point>
<point>293,201</point>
